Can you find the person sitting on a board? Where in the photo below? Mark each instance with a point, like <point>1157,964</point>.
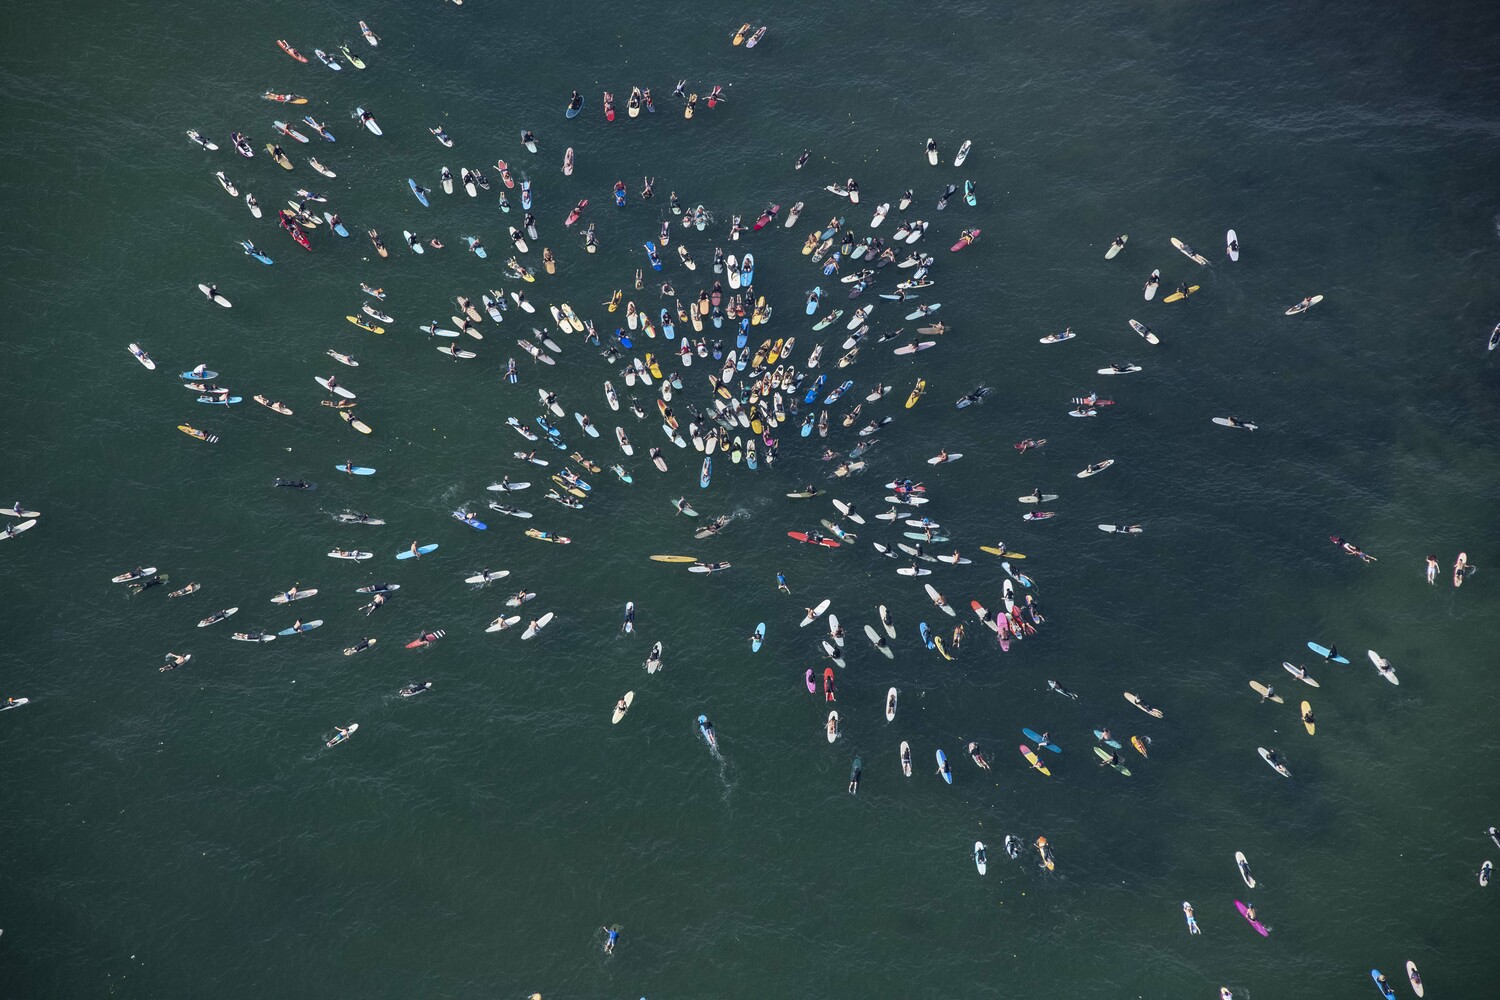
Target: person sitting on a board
<point>1042,741</point>
<point>1117,244</point>
<point>1333,652</point>
<point>1307,717</point>
<point>297,625</point>
<point>1267,694</point>
<point>1110,761</point>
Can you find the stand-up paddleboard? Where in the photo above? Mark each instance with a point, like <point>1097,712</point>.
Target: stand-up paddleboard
<point>1324,652</point>
<point>1033,735</point>
<point>422,550</point>
<point>943,768</point>
<point>619,712</point>
<point>1263,691</point>
<point>980,861</point>
<point>305,627</point>
<point>1244,867</point>
<point>1245,912</point>
<point>1276,765</point>
<point>538,625</point>
<point>831,728</point>
<point>342,737</point>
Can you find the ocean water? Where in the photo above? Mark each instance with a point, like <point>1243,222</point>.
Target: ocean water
<point>174,833</point>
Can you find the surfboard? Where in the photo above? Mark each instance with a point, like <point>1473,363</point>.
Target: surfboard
<point>1311,727</point>
<point>1034,760</point>
<point>1261,690</point>
<point>1297,672</point>
<point>674,559</point>
<point>1134,700</point>
<point>1116,247</point>
<point>1323,651</point>
<point>619,713</point>
<point>1144,331</point>
<point>1103,754</point>
<point>1189,252</point>
<point>422,550</point>
<point>942,762</point>
<point>817,612</point>
<point>1037,737</point>
<point>306,627</point>
<point>1232,247</point>
<point>541,623</point>
<point>343,737</point>
<point>1245,912</point>
<point>980,861</point>
<point>1244,867</point>
<point>1300,308</point>
<point>832,727</point>
<point>1280,769</point>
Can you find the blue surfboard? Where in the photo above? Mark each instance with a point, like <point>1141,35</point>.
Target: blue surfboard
<point>1037,738</point>
<point>946,771</point>
<point>1323,651</point>
<point>417,191</point>
<point>306,627</point>
<point>926,635</point>
<point>422,550</point>
<point>356,470</point>
<point>760,638</point>
<point>1099,735</point>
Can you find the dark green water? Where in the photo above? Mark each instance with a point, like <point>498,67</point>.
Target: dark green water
<point>174,833</point>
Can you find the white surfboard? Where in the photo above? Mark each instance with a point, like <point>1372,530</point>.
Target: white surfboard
<point>1232,245</point>
<point>337,389</point>
<point>815,613</point>
<point>619,713</point>
<point>890,704</point>
<point>502,623</point>
<point>832,728</point>
<point>282,598</point>
<point>541,623</point>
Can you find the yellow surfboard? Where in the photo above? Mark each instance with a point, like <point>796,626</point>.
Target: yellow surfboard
<point>1179,296</point>
<point>1000,552</point>
<point>1311,727</point>
<point>1031,759</point>
<point>674,559</point>
<point>916,393</point>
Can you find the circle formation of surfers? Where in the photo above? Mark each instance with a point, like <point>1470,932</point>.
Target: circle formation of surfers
<point>758,391</point>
